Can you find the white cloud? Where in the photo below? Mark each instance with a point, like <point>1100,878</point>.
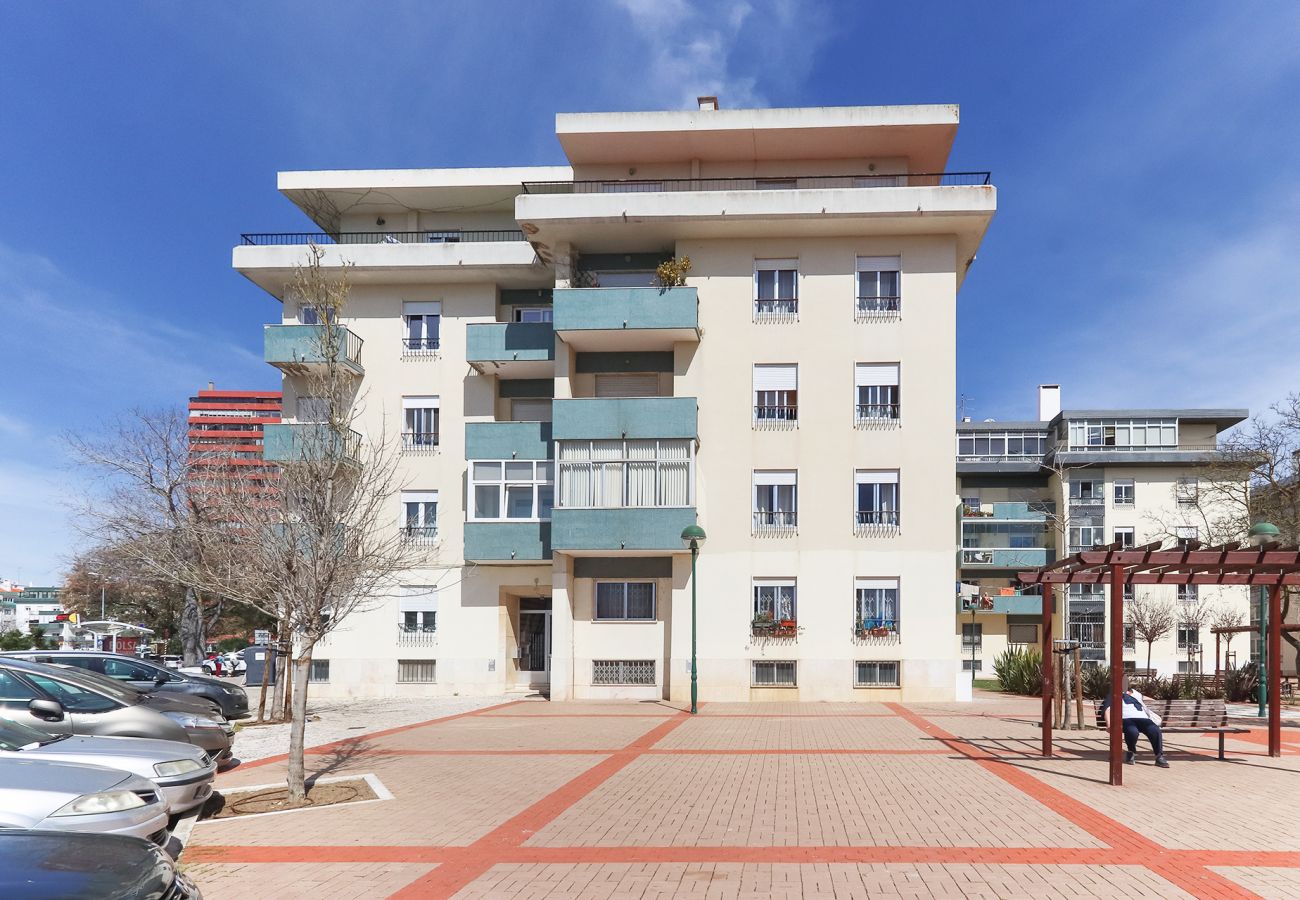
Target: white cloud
<point>724,49</point>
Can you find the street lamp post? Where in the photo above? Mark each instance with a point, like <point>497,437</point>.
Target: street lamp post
<point>692,537</point>
<point>1262,533</point>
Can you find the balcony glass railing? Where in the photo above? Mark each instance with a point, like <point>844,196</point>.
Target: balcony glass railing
<point>776,183</point>
<point>452,236</point>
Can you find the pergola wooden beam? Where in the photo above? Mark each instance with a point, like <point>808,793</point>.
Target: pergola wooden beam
<point>1272,565</point>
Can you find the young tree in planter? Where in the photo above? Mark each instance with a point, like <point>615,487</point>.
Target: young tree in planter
<point>1227,617</point>
<point>1152,620</point>
<point>321,543</point>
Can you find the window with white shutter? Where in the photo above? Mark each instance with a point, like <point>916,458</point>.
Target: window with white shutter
<point>876,393</point>
<point>776,393</point>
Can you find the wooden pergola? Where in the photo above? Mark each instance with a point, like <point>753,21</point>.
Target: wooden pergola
<point>1270,565</point>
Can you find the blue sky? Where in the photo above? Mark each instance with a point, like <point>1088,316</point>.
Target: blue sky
<point>1144,252</point>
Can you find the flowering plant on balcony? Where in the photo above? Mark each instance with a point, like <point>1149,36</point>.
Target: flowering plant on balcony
<point>672,272</point>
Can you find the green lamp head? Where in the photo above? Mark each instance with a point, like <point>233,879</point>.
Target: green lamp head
<point>693,535</point>
<point>1264,533</point>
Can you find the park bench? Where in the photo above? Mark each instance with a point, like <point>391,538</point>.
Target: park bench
<point>1186,717</point>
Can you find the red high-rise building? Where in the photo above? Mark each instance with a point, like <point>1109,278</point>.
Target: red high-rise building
<point>225,427</point>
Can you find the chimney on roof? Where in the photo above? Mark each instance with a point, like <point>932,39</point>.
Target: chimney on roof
<point>707,103</point>
<point>211,386</point>
<point>1049,402</point>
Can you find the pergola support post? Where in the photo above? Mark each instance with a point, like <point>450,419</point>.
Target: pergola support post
<point>1048,596</point>
<point>1116,674</point>
<point>1275,671</point>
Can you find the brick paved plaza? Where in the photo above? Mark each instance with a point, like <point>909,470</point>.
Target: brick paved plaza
<point>637,800</point>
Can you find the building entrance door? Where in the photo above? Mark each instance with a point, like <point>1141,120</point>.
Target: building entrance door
<point>535,642</point>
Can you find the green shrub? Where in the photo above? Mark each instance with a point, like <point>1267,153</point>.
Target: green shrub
<point>1242,685</point>
<point>1096,682</point>
<point>1020,670</point>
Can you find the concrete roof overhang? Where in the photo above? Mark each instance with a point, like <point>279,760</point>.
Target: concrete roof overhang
<point>326,195</point>
<point>922,133</point>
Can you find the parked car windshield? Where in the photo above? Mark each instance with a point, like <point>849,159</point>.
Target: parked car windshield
<point>17,736</point>
<point>75,697</point>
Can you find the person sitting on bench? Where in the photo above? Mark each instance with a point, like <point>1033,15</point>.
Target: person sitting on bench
<point>1138,719</point>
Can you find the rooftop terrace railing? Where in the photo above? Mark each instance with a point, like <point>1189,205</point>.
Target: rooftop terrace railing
<point>452,236</point>
<point>786,183</point>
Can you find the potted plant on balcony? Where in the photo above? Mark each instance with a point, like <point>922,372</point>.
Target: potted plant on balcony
<point>671,273</point>
<point>785,628</point>
<point>763,623</point>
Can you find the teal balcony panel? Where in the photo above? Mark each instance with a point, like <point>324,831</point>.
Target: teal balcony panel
<point>993,558</point>
<point>507,541</point>
<point>300,349</point>
<point>508,440</point>
<point>1016,511</point>
<point>636,528</point>
<point>511,349</point>
<point>631,418</point>
<point>1013,605</point>
<point>298,441</point>
<point>627,318</point>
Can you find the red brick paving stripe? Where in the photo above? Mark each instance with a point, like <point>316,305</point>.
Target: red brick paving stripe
<point>1088,856</point>
<point>476,859</point>
<point>1192,877</point>
<point>663,751</point>
<point>352,741</point>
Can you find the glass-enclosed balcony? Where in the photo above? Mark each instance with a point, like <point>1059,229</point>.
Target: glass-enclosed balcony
<point>1010,536</point>
<point>304,349</point>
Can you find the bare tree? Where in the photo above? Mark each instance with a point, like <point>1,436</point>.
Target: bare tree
<point>1194,613</point>
<point>1152,620</point>
<point>319,542</point>
<point>1226,617</point>
<point>145,522</point>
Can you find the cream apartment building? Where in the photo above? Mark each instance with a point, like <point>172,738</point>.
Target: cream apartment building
<point>1033,492</point>
<point>563,418</point>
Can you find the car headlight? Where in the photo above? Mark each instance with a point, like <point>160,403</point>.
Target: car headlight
<point>232,691</point>
<point>176,767</point>
<point>97,804</point>
<point>189,720</point>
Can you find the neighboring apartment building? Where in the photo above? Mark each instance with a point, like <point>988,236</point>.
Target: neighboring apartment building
<point>37,606</point>
<point>564,419</point>
<point>1033,492</point>
<point>8,610</point>
<point>226,428</point>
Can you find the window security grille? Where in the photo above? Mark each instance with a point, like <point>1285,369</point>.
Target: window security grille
<point>872,673</point>
<point>623,671</point>
<point>320,671</point>
<point>774,673</point>
<point>416,671</point>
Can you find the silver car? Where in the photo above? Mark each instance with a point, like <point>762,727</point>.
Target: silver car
<point>183,772</point>
<point>70,701</point>
<point>73,797</point>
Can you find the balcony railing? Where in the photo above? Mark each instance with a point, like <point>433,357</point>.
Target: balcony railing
<point>421,534</point>
<point>416,635</point>
<point>765,626</point>
<point>787,183</point>
<point>776,310</point>
<point>775,416</point>
<point>870,519</point>
<point>775,521</point>
<point>302,238</point>
<point>420,441</point>
<point>420,346</point>
<point>876,628</point>
<point>870,308</point>
<point>875,412</point>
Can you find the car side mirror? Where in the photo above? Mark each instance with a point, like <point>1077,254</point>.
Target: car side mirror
<point>161,679</point>
<point>46,710</point>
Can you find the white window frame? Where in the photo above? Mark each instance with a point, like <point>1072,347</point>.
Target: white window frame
<point>1095,494</point>
<point>777,306</point>
<point>586,467</point>
<point>879,518</point>
<point>871,274</point>
<point>533,314</point>
<point>878,683</point>
<point>1186,533</point>
<point>1119,484</point>
<point>776,601</point>
<point>595,600</point>
<point>1187,490</point>
<point>420,527</point>
<point>754,665</point>
<point>872,612</point>
<point>882,401</point>
<point>775,517</point>
<point>415,409</point>
<point>972,635</point>
<point>422,600</point>
<point>420,666</point>
<point>776,405</point>
<point>1122,531</point>
<point>421,327</point>
<point>542,477</point>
